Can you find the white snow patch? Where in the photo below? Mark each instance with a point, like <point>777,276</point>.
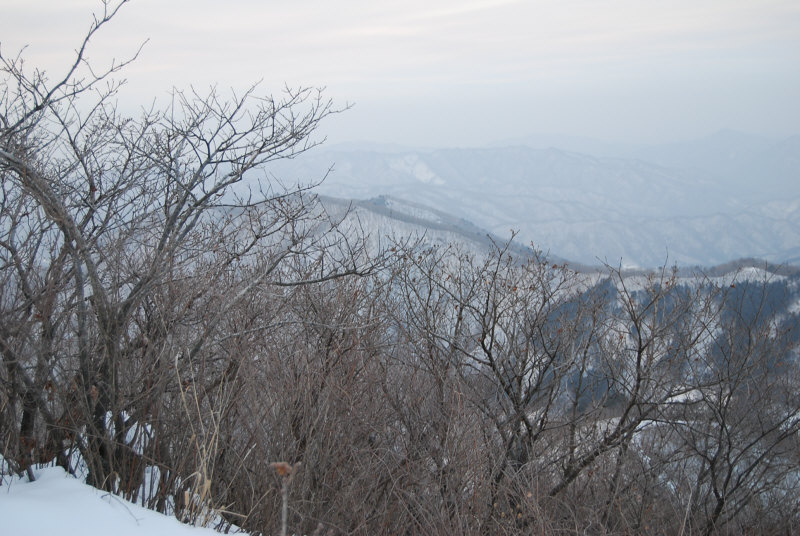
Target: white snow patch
<point>749,274</point>
<point>58,503</point>
<point>418,169</point>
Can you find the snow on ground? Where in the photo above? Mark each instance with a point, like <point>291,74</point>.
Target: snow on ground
<point>58,503</point>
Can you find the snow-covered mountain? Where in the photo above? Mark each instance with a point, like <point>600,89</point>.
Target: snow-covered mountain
<point>588,208</point>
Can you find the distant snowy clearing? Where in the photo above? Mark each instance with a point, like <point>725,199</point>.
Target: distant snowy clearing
<point>58,503</point>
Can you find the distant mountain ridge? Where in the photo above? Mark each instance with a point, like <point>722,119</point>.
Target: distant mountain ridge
<point>588,208</point>
<point>386,217</point>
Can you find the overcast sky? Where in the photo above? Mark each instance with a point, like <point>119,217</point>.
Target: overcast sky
<point>459,72</point>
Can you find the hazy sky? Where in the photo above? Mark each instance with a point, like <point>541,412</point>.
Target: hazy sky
<point>460,72</point>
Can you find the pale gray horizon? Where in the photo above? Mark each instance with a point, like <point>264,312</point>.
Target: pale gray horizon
<point>457,73</point>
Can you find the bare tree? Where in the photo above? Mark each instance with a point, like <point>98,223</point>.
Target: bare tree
<point>739,430</point>
<point>120,234</point>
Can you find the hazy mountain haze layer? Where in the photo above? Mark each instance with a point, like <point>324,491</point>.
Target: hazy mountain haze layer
<point>705,202</point>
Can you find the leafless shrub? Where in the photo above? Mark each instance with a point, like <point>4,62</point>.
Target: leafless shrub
<point>177,320</point>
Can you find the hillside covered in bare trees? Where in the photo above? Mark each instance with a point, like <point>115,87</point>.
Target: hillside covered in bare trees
<point>181,328</point>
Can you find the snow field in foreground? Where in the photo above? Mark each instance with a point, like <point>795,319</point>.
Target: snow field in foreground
<point>58,503</point>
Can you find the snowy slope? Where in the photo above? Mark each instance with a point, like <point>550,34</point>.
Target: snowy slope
<point>58,503</point>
